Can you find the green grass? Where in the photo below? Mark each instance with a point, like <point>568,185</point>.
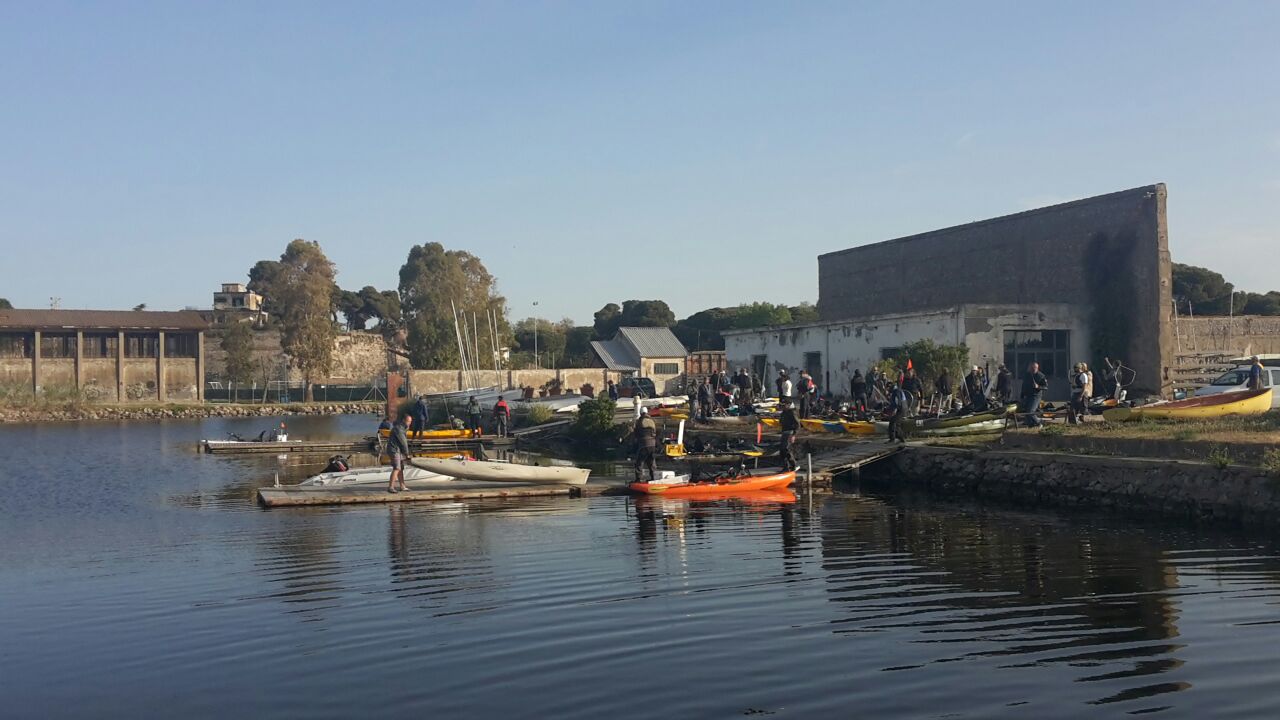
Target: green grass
<point>539,414</point>
<point>1271,461</point>
<point>1220,458</point>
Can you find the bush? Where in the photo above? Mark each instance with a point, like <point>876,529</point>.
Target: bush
<point>1271,461</point>
<point>539,414</point>
<point>1220,458</point>
<point>595,419</point>
<point>929,360</point>
<point>1053,430</point>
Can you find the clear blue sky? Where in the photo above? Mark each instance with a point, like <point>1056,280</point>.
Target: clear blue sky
<point>704,153</point>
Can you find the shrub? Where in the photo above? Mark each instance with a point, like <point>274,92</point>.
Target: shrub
<point>1184,434</point>
<point>929,360</point>
<point>539,414</point>
<point>1220,458</point>
<point>595,419</point>
<point>1053,430</point>
<point>1271,461</point>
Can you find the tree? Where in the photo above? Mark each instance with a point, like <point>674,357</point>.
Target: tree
<point>929,360</point>
<point>761,314</point>
<point>701,330</point>
<point>646,313</point>
<point>352,306</point>
<point>305,293</point>
<point>550,339</point>
<point>1201,291</point>
<point>139,307</point>
<point>577,346</point>
<point>262,280</point>
<point>435,281</point>
<point>5,304</point>
<point>805,312</point>
<point>1258,303</point>
<point>607,321</point>
<point>237,343</point>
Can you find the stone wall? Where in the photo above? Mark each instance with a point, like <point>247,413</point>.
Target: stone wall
<point>1173,488</point>
<point>180,382</point>
<point>1245,334</point>
<point>432,382</point>
<point>358,357</point>
<point>1109,253</point>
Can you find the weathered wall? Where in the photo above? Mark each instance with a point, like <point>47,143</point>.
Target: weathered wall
<point>99,376</point>
<point>1108,253</point>
<point>1151,487</point>
<point>15,372</point>
<point>1245,334</point>
<point>59,372</point>
<point>572,379</point>
<point>140,379</point>
<point>665,383</point>
<point>358,357</point>
<point>180,379</point>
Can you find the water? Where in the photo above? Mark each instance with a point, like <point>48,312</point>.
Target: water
<point>137,578</point>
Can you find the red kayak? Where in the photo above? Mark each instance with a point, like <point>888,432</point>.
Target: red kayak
<point>741,484</point>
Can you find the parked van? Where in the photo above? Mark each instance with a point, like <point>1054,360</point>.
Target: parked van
<point>1237,378</point>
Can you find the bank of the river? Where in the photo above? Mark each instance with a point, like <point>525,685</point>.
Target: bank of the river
<point>86,411</point>
<point>1175,488</point>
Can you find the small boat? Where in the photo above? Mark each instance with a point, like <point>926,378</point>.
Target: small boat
<point>492,471</point>
<point>1249,402</point>
<point>437,434</point>
<point>377,475</point>
<point>681,487</point>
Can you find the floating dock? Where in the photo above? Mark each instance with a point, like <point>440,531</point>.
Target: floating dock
<point>849,459</point>
<point>234,447</point>
<point>295,496</point>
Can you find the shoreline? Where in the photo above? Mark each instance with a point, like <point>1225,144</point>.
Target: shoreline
<point>18,415</point>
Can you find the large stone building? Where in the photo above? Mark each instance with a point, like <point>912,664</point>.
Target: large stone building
<point>105,355</point>
<point>1059,284</point>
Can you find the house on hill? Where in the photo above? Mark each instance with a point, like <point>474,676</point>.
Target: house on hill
<point>652,352</point>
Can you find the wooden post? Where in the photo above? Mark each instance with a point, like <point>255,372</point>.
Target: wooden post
<point>120,394</point>
<point>160,366</point>
<point>35,365</point>
<point>79,360</point>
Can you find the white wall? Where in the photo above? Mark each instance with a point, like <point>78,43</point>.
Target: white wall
<point>858,344</point>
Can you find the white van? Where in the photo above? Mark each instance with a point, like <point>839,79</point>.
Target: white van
<point>1237,379</point>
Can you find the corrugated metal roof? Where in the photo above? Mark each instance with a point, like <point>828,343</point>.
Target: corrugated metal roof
<point>615,355</point>
<point>101,320</point>
<point>652,342</point>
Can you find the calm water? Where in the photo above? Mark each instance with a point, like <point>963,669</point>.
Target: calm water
<point>138,578</point>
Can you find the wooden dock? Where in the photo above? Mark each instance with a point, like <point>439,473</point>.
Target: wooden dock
<point>849,459</point>
<point>226,447</point>
<point>294,496</point>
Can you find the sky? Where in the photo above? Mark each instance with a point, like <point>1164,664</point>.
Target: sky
<point>702,153</point>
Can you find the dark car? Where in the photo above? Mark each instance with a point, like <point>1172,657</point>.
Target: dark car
<point>629,386</point>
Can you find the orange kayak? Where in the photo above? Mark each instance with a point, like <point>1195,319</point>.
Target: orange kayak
<point>749,483</point>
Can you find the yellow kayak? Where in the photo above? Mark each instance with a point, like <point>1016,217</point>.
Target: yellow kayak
<point>449,434</point>
<point>1249,402</point>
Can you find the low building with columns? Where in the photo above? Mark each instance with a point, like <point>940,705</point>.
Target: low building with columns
<point>103,355</point>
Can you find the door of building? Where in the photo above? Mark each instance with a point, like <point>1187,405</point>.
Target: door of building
<point>813,364</point>
<point>760,363</point>
<point>1050,348</point>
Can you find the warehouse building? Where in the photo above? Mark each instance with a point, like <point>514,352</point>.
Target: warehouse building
<point>1057,285</point>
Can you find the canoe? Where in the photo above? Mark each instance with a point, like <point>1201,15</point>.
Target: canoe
<point>489,471</point>
<point>741,484</point>
<point>677,506</point>
<point>1249,402</point>
<point>379,475</point>
<point>433,434</point>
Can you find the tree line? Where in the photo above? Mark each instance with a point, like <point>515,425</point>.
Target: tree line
<point>1200,291</point>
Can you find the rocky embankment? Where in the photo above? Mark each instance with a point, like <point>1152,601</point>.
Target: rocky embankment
<point>37,414</point>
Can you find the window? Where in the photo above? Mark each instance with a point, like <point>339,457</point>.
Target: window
<point>180,346</point>
<point>57,345</point>
<point>15,345</point>
<point>889,352</point>
<point>666,368</point>
<point>141,345</point>
<point>100,345</point>
<point>1050,348</point>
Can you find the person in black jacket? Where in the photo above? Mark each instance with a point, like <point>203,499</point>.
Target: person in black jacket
<point>858,391</point>
<point>789,424</point>
<point>914,389</point>
<point>942,386</point>
<point>398,449</point>
<point>1004,384</point>
<point>1033,385</point>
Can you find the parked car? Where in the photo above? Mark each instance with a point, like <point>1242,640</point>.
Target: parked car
<point>629,385</point>
<point>1237,380</point>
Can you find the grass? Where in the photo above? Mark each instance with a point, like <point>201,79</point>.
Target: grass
<point>1271,461</point>
<point>1251,428</point>
<point>539,414</point>
<point>1053,430</point>
<point>1220,458</point>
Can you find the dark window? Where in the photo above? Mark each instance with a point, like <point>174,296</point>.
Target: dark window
<point>237,302</point>
<point>180,346</point>
<point>889,352</point>
<point>59,345</point>
<point>759,365</point>
<point>141,345</point>
<point>16,345</point>
<point>813,363</point>
<point>666,368</point>
<point>1050,348</point>
<point>100,345</point>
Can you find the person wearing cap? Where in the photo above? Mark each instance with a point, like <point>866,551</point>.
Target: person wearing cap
<point>1255,373</point>
<point>789,424</point>
<point>645,433</point>
<point>784,384</point>
<point>898,404</point>
<point>1076,409</point>
<point>973,388</point>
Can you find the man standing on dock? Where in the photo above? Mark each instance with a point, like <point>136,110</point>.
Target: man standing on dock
<point>398,449</point>
<point>784,385</point>
<point>743,381</point>
<point>898,404</point>
<point>789,424</point>
<point>1004,384</point>
<point>501,416</point>
<point>858,391</point>
<point>805,390</point>
<point>1033,385</point>
<point>646,437</point>
<point>420,413</point>
<point>474,414</point>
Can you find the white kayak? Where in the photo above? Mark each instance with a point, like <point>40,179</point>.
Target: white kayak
<point>377,475</point>
<point>489,471</point>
